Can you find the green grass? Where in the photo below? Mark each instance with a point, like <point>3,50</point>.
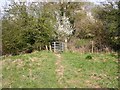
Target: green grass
<point>30,70</point>
<point>37,70</point>
<point>100,71</point>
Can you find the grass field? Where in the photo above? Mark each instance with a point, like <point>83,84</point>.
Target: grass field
<point>67,70</point>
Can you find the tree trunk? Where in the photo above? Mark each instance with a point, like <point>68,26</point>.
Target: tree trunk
<point>50,48</point>
<point>40,48</point>
<point>46,47</point>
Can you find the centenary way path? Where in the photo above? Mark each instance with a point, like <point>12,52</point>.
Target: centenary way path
<point>59,69</point>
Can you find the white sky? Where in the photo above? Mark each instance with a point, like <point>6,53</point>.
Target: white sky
<point>3,2</point>
<point>97,0</point>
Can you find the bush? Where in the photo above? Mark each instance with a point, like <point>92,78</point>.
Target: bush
<point>88,57</point>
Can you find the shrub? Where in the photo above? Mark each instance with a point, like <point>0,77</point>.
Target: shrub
<point>88,57</point>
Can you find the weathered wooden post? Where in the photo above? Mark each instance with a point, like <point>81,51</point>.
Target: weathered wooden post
<point>62,47</point>
<point>92,46</point>
<point>66,44</point>
<point>54,44</point>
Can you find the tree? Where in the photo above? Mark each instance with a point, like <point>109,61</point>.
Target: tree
<point>23,31</point>
<point>108,14</point>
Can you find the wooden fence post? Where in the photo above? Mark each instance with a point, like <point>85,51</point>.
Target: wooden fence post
<point>54,47</point>
<point>65,44</point>
<point>62,46</point>
<point>92,46</point>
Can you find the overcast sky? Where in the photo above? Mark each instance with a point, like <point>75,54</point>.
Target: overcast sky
<point>3,2</point>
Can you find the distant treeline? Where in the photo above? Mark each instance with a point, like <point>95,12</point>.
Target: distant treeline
<point>31,27</point>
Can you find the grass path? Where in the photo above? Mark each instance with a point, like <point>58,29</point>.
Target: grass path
<point>75,81</point>
<point>59,69</point>
<point>67,70</point>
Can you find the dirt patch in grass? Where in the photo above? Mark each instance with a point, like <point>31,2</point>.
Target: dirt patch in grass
<point>59,69</point>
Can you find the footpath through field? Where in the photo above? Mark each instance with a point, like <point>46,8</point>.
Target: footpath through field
<point>59,69</point>
<point>66,70</point>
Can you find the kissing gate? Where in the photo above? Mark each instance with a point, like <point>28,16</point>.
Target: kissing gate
<point>58,47</point>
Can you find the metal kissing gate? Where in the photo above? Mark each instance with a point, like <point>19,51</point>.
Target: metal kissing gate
<point>58,46</point>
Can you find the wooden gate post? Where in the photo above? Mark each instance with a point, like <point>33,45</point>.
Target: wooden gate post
<point>92,46</point>
<point>62,46</point>
<point>65,44</point>
<point>54,47</point>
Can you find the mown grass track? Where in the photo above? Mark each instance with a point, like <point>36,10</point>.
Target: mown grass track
<point>43,70</point>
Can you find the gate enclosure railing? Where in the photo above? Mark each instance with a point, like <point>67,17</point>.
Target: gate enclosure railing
<point>58,46</point>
